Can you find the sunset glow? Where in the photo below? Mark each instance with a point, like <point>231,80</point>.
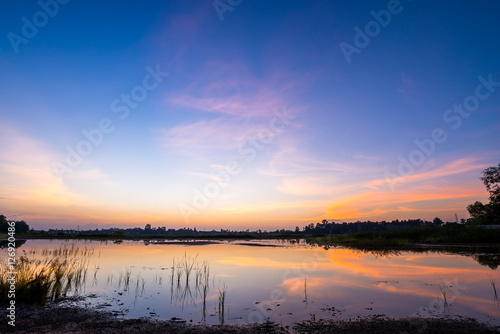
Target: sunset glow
<point>120,114</point>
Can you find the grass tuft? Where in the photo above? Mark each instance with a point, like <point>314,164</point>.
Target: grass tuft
<point>46,278</point>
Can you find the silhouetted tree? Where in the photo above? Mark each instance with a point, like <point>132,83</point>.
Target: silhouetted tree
<point>437,221</point>
<point>3,224</point>
<point>477,210</point>
<point>488,213</point>
<point>491,180</point>
<point>21,226</point>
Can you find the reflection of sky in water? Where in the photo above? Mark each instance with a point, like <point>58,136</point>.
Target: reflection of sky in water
<point>285,283</point>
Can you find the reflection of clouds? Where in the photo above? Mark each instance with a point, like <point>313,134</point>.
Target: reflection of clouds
<point>317,285</point>
<point>150,251</point>
<point>259,262</point>
<point>398,266</point>
<point>346,279</point>
<point>353,275</point>
<point>224,275</point>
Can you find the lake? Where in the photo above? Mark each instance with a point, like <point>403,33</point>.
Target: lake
<point>284,281</point>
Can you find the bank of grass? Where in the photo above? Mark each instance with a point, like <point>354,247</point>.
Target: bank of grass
<point>448,234</point>
<point>46,275</point>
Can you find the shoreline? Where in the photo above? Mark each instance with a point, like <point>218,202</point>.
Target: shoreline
<point>56,319</point>
<point>319,241</point>
<point>315,238</point>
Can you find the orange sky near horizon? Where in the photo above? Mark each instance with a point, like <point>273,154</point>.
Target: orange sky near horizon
<point>175,114</point>
<point>45,201</point>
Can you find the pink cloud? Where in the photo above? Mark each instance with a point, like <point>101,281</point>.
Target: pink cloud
<point>458,166</point>
<point>217,134</point>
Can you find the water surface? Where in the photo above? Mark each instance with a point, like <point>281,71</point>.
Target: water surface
<point>245,281</point>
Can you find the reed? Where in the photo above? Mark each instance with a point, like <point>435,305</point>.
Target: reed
<point>47,275</point>
<point>188,265</point>
<point>189,279</point>
<point>204,273</point>
<point>125,279</point>
<point>444,291</point>
<point>305,290</point>
<point>222,302</point>
<point>493,285</point>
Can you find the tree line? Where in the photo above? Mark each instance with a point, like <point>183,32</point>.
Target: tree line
<point>21,225</point>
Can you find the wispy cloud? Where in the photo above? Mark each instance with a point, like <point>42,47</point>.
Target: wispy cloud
<point>446,190</point>
<point>454,167</point>
<point>27,176</point>
<point>239,102</point>
<point>346,192</point>
<point>216,134</point>
<point>31,190</point>
<point>229,102</point>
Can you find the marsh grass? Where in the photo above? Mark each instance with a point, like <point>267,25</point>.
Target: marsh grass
<point>203,279</point>
<point>190,281</point>
<point>305,290</point>
<point>95,281</point>
<point>493,285</point>
<point>185,270</point>
<point>124,279</point>
<point>222,304</point>
<point>48,277</point>
<point>444,292</point>
<point>140,284</point>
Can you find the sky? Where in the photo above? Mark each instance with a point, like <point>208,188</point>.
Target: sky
<point>241,114</point>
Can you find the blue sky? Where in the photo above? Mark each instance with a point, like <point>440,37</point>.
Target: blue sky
<point>334,155</point>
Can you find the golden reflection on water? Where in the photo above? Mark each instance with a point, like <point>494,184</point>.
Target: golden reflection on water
<point>281,281</point>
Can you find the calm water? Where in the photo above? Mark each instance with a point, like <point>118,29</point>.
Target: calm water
<point>251,281</point>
